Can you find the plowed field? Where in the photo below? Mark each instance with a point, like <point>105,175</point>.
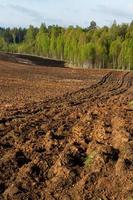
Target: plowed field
<point>66,134</point>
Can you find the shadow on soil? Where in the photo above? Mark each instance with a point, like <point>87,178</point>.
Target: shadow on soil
<point>30,59</point>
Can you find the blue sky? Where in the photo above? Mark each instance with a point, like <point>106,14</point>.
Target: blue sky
<point>64,12</point>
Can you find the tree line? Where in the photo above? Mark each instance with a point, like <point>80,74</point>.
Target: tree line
<point>94,47</point>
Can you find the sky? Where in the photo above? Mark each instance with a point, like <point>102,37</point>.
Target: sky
<point>15,13</point>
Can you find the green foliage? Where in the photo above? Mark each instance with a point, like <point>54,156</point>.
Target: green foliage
<point>89,159</point>
<point>126,54</point>
<point>29,41</point>
<point>130,198</point>
<point>42,42</point>
<point>60,47</point>
<point>115,49</point>
<point>53,44</point>
<point>131,104</point>
<point>3,44</point>
<point>92,46</point>
<point>88,54</point>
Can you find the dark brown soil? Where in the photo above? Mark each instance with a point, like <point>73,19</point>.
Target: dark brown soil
<point>20,84</point>
<point>78,146</point>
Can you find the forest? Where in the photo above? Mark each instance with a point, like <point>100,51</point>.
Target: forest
<point>93,47</point>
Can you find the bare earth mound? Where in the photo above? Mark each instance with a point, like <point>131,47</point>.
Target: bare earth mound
<point>75,147</point>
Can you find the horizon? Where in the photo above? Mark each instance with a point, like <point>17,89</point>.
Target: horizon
<point>67,26</point>
<point>65,13</point>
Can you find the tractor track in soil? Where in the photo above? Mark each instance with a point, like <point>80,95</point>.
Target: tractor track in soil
<point>43,146</point>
